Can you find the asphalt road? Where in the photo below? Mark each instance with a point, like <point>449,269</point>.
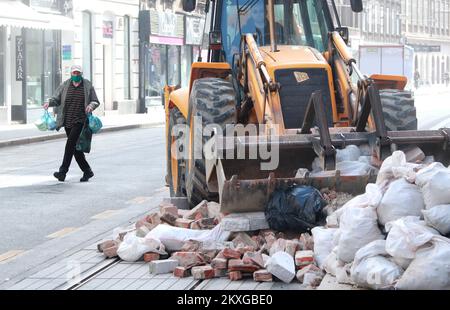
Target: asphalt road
<point>34,207</point>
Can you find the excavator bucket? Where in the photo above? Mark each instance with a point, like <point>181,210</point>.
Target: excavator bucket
<point>243,185</point>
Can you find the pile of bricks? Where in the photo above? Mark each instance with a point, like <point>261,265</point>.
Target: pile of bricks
<point>262,254</point>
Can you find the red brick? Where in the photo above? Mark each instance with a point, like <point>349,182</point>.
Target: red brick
<point>220,263</point>
<point>200,211</point>
<point>234,262</point>
<point>188,259</point>
<point>230,253</point>
<point>202,272</point>
<point>245,249</point>
<point>247,268</point>
<point>243,240</point>
<point>169,209</point>
<point>235,275</point>
<point>278,246</point>
<point>169,218</point>
<point>195,225</point>
<point>253,258</point>
<point>306,242</point>
<point>149,257</point>
<point>190,246</point>
<point>183,223</point>
<point>262,276</point>
<point>291,247</point>
<point>181,272</point>
<point>154,218</point>
<point>304,258</point>
<point>203,223</point>
<point>259,240</point>
<point>111,251</point>
<point>105,244</point>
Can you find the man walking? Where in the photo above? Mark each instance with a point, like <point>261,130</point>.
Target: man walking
<point>75,98</point>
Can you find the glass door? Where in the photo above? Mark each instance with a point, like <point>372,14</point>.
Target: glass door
<point>34,68</point>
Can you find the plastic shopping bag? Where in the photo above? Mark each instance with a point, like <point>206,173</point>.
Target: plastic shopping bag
<point>95,124</point>
<point>46,122</point>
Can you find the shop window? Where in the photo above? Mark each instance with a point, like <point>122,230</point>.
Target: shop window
<point>173,65</point>
<point>186,61</point>
<point>2,66</point>
<point>87,44</point>
<point>126,59</point>
<point>157,70</point>
<point>34,69</point>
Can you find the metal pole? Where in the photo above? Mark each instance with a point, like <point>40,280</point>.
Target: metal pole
<point>273,41</point>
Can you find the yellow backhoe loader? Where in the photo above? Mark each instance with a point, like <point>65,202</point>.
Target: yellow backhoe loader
<point>279,88</point>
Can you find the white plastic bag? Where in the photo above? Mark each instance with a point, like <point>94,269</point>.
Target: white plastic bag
<point>425,174</point>
<point>332,263</point>
<point>371,269</point>
<point>323,243</point>
<point>401,199</point>
<point>174,237</point>
<point>430,270</point>
<point>437,190</point>
<point>438,217</point>
<point>358,227</point>
<point>343,274</point>
<point>406,236</point>
<point>349,153</point>
<point>133,248</point>
<point>395,167</point>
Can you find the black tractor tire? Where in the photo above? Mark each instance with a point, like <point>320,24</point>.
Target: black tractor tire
<point>178,190</point>
<point>398,109</point>
<point>213,99</point>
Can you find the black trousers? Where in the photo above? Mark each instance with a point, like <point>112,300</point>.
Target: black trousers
<point>73,134</point>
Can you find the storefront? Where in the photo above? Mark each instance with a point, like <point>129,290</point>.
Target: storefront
<point>169,52</point>
<point>31,49</point>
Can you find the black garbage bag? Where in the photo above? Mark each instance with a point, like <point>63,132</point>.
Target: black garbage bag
<point>297,209</point>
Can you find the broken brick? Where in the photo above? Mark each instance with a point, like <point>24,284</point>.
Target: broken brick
<point>188,259</point>
<point>230,253</point>
<point>244,239</point>
<point>149,257</point>
<point>183,223</point>
<point>154,219</point>
<point>105,244</point>
<point>195,225</point>
<point>262,276</point>
<point>169,209</point>
<point>306,242</point>
<point>235,275</point>
<point>111,251</point>
<point>169,218</point>
<point>247,268</point>
<point>255,258</point>
<point>205,223</point>
<point>278,246</point>
<point>200,211</point>
<point>245,249</point>
<point>219,263</point>
<point>308,269</point>
<point>191,246</point>
<point>234,262</point>
<point>291,247</point>
<point>213,209</point>
<point>202,272</point>
<point>181,272</point>
<point>182,212</point>
<point>304,258</point>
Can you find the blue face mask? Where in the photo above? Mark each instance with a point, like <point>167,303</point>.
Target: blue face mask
<point>76,78</point>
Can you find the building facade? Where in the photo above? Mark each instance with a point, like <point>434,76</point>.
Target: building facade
<point>170,42</point>
<point>423,25</point>
<point>41,40</point>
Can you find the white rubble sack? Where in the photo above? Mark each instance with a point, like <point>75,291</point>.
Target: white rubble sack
<point>343,274</point>
<point>395,167</point>
<point>430,270</point>
<point>406,236</point>
<point>323,243</point>
<point>401,199</point>
<point>174,237</point>
<point>437,190</point>
<point>358,226</point>
<point>133,248</point>
<point>349,153</point>
<point>438,217</point>
<point>332,263</point>
<point>346,168</point>
<point>282,266</point>
<point>372,269</point>
<point>426,173</point>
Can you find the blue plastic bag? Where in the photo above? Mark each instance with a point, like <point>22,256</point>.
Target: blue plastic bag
<point>46,122</point>
<point>95,124</point>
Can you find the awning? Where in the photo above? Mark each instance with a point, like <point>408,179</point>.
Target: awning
<point>16,14</point>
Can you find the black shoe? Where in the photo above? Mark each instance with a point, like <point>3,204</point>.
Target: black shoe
<point>87,176</point>
<point>60,176</point>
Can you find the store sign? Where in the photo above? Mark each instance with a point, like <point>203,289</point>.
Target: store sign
<point>166,24</point>
<point>426,48</point>
<point>20,58</point>
<point>107,29</point>
<point>194,30</point>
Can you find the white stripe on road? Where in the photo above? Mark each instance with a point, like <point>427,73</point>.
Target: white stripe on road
<point>63,232</point>
<point>138,200</point>
<point>10,255</point>
<point>106,214</point>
